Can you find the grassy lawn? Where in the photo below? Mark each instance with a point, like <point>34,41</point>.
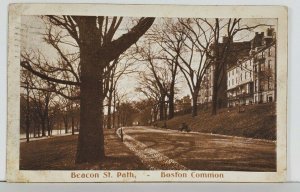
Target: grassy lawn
<point>58,153</point>
<point>257,121</point>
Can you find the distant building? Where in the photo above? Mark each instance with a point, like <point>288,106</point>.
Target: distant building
<point>237,51</point>
<point>250,75</point>
<point>240,83</point>
<point>183,104</point>
<point>252,79</point>
<point>264,67</point>
<point>205,93</point>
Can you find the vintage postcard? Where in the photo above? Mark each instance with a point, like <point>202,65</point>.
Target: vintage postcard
<point>147,93</point>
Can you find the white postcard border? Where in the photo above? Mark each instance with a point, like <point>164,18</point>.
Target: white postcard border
<point>15,12</point>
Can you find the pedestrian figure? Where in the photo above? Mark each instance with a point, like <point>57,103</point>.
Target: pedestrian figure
<point>184,127</point>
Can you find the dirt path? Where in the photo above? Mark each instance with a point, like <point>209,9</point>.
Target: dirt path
<point>170,149</point>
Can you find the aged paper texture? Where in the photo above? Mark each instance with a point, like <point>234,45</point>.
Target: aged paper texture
<point>146,93</point>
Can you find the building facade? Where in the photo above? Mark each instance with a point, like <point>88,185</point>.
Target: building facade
<point>250,75</point>
<point>206,89</point>
<point>183,104</point>
<point>238,50</point>
<point>253,79</point>
<point>240,83</point>
<point>265,72</point>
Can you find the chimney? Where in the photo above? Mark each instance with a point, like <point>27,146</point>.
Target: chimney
<point>257,41</point>
<point>270,31</point>
<point>269,38</point>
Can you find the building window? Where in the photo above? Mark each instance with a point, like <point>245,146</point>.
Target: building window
<point>250,74</point>
<point>262,67</point>
<point>242,77</point>
<point>270,53</point>
<point>232,82</point>
<point>256,85</point>
<point>269,64</point>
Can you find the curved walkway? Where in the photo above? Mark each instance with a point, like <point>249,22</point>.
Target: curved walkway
<point>150,157</point>
<point>163,149</point>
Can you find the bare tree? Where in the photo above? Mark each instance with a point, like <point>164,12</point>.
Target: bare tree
<point>158,76</point>
<point>41,99</point>
<point>97,46</point>
<point>144,111</point>
<point>193,57</point>
<point>170,41</point>
<point>221,52</point>
<point>149,88</point>
<point>25,81</point>
<point>123,65</point>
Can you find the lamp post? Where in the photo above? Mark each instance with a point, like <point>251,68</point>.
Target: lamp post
<point>166,115</point>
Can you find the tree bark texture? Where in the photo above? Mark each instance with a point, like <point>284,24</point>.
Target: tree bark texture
<point>91,140</point>
<point>171,104</point>
<point>109,104</point>
<point>194,106</point>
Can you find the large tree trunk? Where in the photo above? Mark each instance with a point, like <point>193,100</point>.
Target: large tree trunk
<point>118,115</point>
<point>34,130</point>
<point>93,59</point>
<point>27,114</point>
<point>114,111</point>
<point>91,139</point>
<point>109,109</point>
<point>73,125</point>
<point>43,127</point>
<point>194,106</point>
<point>38,130</point>
<point>49,129</point>
<point>171,105</point>
<point>215,92</point>
<point>48,124</point>
<point>66,123</point>
<point>162,108</point>
<point>155,112</point>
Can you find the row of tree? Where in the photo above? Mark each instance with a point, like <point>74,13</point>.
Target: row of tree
<point>43,111</point>
<point>188,48</point>
<point>93,52</point>
<point>87,53</point>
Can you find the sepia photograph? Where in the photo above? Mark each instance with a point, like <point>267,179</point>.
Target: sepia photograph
<point>189,98</point>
